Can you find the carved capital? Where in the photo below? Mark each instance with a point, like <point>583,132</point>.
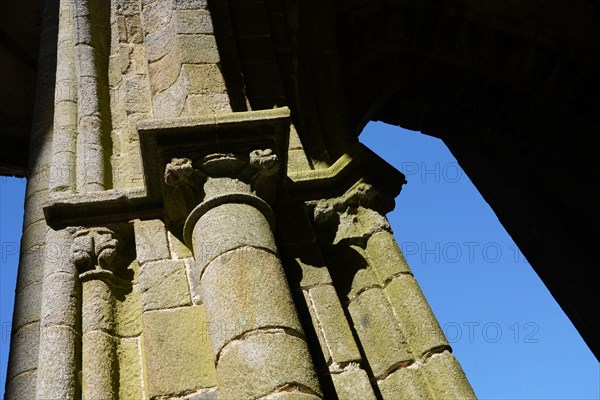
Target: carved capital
<point>222,173</point>
<point>94,249</point>
<point>179,171</point>
<point>265,162</point>
<point>352,217</point>
<point>265,165</point>
<point>202,184</point>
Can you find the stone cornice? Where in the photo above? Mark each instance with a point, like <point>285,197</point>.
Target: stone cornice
<point>160,141</point>
<point>243,132</point>
<point>355,165</point>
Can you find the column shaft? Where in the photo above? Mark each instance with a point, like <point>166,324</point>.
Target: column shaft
<point>256,334</point>
<point>90,151</point>
<point>99,347</point>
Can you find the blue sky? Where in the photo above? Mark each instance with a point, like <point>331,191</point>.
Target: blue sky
<point>511,337</point>
<point>12,195</point>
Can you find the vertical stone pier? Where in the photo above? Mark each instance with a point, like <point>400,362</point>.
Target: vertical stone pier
<point>254,258</point>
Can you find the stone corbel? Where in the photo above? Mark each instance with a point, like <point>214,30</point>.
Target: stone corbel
<point>353,217</point>
<point>264,166</point>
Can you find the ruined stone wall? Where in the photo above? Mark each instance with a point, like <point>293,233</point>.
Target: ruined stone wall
<point>176,249</point>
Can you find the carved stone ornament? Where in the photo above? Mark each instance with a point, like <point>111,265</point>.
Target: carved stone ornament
<point>94,249</point>
<point>257,170</point>
<point>352,217</point>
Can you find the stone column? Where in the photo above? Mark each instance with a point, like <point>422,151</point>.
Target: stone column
<point>92,252</point>
<point>405,348</point>
<point>256,335</point>
<point>58,363</point>
<point>21,375</point>
<point>90,57</point>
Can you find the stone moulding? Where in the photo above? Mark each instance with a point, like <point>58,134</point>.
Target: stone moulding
<point>160,141</point>
<point>359,162</point>
<point>163,139</point>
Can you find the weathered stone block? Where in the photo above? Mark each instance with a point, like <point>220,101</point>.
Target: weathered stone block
<point>297,161</point>
<point>228,227</point>
<point>130,369</point>
<point>177,351</point>
<point>273,360</point>
<point>170,102</point>
<point>446,377</point>
<point>99,366</point>
<point>198,49</point>
<point>312,265</point>
<point>151,241</point>
<point>164,284</point>
<point>289,394</point>
<point>118,64</point>
<point>350,268</point>
<point>244,290</point>
<point>137,94</point>
<point>317,328</point>
<point>34,234</point>
<point>63,178</point>
<point>87,93</point>
<point>385,257</point>
<point>405,384</point>
<point>134,29</point>
<point>24,350</point>
<point>363,278</point>
<point>28,305</point>
<point>418,323</point>
<point>29,266</point>
<point>178,249</point>
<point>204,78</point>
<point>22,386</point>
<point>97,309</point>
<point>158,44</point>
<point>60,308</point>
<point>359,223</point>
<point>58,254</point>
<point>134,267</point>
<point>190,4</point>
<point>164,72</point>
<point>353,384</point>
<point>381,338</point>
<point>66,110</point>
<point>193,21</point>
<point>202,104</point>
<point>204,394</point>
<point>127,7</point>
<point>156,15</point>
<point>34,210</point>
<point>334,325</point>
<point>57,367</point>
<point>121,29</point>
<point>193,273</point>
<point>126,312</point>
<point>138,61</point>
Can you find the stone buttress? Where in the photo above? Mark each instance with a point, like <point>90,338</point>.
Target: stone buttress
<point>191,233</point>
